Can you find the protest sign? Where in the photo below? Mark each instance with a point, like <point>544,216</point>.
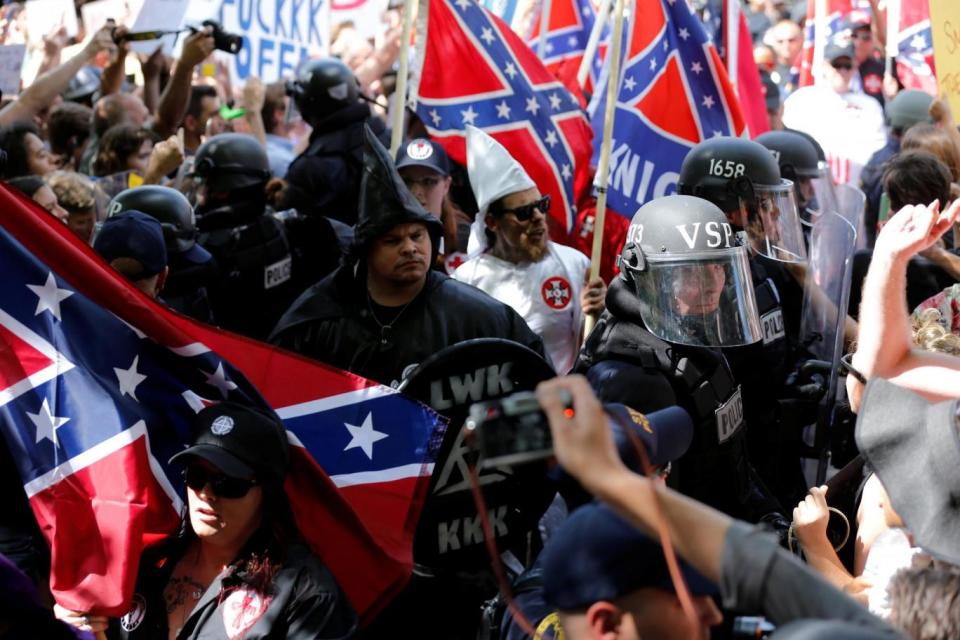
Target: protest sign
<point>277,35</point>
<point>11,62</point>
<point>945,22</point>
<point>159,15</point>
<point>95,14</point>
<point>366,15</point>
<point>46,16</point>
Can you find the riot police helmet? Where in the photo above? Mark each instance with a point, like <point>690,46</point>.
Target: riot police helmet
<point>231,161</point>
<point>172,209</point>
<point>691,274</point>
<point>800,163</point>
<point>742,178</point>
<point>323,87</point>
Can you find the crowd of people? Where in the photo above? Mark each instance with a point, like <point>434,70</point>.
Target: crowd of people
<point>276,211</point>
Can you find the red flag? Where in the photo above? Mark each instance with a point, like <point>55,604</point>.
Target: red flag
<point>508,93</point>
<point>836,13</point>
<point>749,86</point>
<point>97,387</point>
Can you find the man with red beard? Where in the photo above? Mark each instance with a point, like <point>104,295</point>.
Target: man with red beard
<point>513,258</point>
<point>384,310</point>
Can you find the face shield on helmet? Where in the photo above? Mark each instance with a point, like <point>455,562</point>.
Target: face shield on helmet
<point>699,299</point>
<point>816,194</point>
<point>771,222</point>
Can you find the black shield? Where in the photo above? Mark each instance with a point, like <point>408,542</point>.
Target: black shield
<point>449,534</point>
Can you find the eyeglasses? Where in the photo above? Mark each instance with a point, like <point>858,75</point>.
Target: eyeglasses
<point>842,66</point>
<point>525,212</point>
<point>224,486</point>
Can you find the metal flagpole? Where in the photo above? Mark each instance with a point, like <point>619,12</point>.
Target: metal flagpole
<point>593,42</point>
<point>400,94</point>
<point>732,28</point>
<point>603,170</point>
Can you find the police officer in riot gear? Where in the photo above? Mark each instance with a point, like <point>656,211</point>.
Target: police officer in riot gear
<point>192,268</point>
<point>683,291</point>
<point>743,179</point>
<point>248,241</point>
<point>325,178</point>
<point>797,158</point>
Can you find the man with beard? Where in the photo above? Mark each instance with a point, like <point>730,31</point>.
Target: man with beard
<point>384,310</point>
<point>546,283</point>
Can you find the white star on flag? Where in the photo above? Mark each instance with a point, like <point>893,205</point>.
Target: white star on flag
<point>435,117</point>
<point>219,380</point>
<point>918,42</point>
<point>532,106</point>
<point>585,10</point>
<point>696,67</point>
<point>129,379</point>
<point>364,436</point>
<point>653,64</point>
<point>708,102</point>
<point>463,4</point>
<point>503,110</point>
<point>47,423</point>
<point>49,296</point>
<point>487,35</point>
<point>510,70</point>
<point>684,33</point>
<point>549,47</point>
<point>629,83</point>
<point>554,101</point>
<point>551,139</point>
<point>572,41</point>
<point>565,172</point>
<point>469,115</point>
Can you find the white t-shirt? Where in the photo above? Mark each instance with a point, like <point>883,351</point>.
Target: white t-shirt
<point>850,127</point>
<point>546,294</point>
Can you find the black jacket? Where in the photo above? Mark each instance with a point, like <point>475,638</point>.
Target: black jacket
<point>332,322</point>
<point>325,178</point>
<point>304,603</point>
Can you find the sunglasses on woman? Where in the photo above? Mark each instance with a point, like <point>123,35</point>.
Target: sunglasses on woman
<point>525,212</point>
<point>222,485</point>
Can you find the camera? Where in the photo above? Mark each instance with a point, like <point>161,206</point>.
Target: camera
<point>224,40</point>
<point>514,430</point>
<point>511,430</point>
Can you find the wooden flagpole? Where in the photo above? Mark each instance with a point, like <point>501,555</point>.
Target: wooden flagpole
<point>603,170</point>
<point>593,42</point>
<point>400,94</point>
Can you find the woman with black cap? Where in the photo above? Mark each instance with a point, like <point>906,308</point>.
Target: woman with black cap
<point>238,567</point>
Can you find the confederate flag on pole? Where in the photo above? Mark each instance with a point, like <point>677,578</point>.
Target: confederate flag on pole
<point>98,384</point>
<point>471,68</point>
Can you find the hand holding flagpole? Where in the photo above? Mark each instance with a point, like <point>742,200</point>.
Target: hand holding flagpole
<point>603,170</point>
<point>400,95</point>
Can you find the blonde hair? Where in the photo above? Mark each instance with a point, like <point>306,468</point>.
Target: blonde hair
<point>930,334</point>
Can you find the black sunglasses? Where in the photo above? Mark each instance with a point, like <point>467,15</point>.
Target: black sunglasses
<point>224,486</point>
<point>842,66</point>
<point>525,212</point>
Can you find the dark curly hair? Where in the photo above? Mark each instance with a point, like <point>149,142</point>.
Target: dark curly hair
<point>13,142</point>
<point>117,144</point>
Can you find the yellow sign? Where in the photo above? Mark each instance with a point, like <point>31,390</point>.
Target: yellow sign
<point>945,24</point>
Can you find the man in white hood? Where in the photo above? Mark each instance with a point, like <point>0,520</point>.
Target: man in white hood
<point>513,258</point>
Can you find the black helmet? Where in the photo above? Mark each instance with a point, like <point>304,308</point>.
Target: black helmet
<point>323,87</point>
<point>174,212</point>
<point>798,159</point>
<point>742,178</point>
<point>691,274</point>
<point>909,107</point>
<point>83,85</point>
<point>230,161</point>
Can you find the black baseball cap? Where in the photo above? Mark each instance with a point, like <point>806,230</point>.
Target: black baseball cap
<point>421,152</point>
<point>834,51</point>
<point>597,556</point>
<point>240,441</point>
<point>133,234</point>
